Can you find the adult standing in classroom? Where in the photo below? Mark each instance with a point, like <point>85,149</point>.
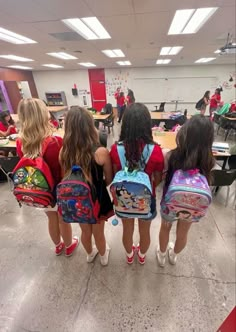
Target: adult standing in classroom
<point>203,102</point>
<point>118,101</point>
<point>130,99</point>
<point>215,101</point>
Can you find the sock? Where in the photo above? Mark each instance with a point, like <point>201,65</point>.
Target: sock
<point>140,254</point>
<point>58,245</point>
<point>130,255</point>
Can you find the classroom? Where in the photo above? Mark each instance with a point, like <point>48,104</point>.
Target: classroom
<point>118,166</point>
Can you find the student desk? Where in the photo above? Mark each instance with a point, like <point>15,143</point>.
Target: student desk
<point>166,140</point>
<point>163,116</point>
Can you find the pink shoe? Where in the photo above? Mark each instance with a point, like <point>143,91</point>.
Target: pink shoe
<point>59,248</point>
<point>130,260</point>
<point>141,260</point>
<point>69,250</point>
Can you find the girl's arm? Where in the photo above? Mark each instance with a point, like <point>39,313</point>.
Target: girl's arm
<point>157,176</point>
<point>103,158</point>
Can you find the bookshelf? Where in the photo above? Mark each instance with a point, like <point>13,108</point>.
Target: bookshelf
<point>56,98</point>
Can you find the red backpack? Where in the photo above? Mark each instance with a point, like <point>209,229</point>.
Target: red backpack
<point>33,181</point>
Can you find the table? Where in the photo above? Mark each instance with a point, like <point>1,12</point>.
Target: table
<point>167,140</point>
<point>57,111</point>
<point>163,116</point>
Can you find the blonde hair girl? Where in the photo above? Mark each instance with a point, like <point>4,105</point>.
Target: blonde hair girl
<point>36,133</point>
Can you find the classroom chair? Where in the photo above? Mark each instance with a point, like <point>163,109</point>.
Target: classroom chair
<point>7,164</point>
<point>222,178</point>
<point>161,108</point>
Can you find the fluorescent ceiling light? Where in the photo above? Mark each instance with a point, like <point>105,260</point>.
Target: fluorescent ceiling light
<point>163,61</point>
<point>190,20</point>
<point>20,67</point>
<point>204,60</point>
<point>87,64</point>
<point>88,27</point>
<point>14,38</point>
<point>124,63</point>
<point>51,65</point>
<point>171,50</point>
<point>15,58</point>
<point>217,51</point>
<point>114,53</point>
<point>62,55</point>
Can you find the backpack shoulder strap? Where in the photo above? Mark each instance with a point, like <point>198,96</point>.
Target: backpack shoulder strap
<point>147,151</point>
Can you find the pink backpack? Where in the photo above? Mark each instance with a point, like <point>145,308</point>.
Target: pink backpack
<point>188,196</point>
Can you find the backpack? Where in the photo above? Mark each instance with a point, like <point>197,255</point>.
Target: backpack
<point>199,104</point>
<point>188,196</point>
<point>132,191</point>
<point>33,181</point>
<point>77,199</point>
<point>224,109</point>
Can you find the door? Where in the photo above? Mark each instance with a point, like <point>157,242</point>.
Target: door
<point>98,88</point>
<point>13,94</point>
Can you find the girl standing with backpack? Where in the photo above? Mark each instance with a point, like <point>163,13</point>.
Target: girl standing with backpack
<point>186,193</point>
<point>136,134</point>
<point>81,148</point>
<point>36,138</point>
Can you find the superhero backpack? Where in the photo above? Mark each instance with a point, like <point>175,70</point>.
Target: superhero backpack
<point>188,196</point>
<point>132,191</point>
<point>33,181</point>
<point>77,199</point>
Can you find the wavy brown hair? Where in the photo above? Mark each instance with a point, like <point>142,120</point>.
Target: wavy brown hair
<point>194,148</point>
<point>136,131</point>
<point>79,142</point>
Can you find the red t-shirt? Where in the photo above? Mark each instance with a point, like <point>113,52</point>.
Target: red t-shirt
<point>55,123</point>
<point>119,100</point>
<point>155,162</point>
<point>51,156</point>
<point>4,129</point>
<point>215,100</point>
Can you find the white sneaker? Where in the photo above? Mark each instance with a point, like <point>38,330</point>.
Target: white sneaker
<point>161,257</point>
<point>92,256</point>
<point>105,257</point>
<point>172,255</point>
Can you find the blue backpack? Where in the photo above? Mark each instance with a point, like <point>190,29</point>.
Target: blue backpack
<point>132,191</point>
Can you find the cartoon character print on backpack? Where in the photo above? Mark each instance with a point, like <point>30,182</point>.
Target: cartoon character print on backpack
<point>125,199</point>
<point>30,178</point>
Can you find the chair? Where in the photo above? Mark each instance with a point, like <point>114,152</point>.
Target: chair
<point>216,119</point>
<point>227,125</point>
<point>232,162</point>
<point>161,108</point>
<point>109,122</point>
<point>7,164</point>
<point>222,178</point>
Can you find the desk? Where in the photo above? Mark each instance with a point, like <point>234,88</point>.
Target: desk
<point>57,111</point>
<point>100,117</point>
<point>163,116</point>
<point>167,139</point>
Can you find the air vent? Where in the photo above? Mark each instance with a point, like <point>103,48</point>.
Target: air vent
<point>67,36</point>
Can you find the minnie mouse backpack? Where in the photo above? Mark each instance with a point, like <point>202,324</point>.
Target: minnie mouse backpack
<point>33,181</point>
<point>132,191</point>
<point>188,196</point>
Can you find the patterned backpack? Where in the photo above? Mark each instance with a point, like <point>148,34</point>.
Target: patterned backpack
<point>188,196</point>
<point>77,199</point>
<point>33,181</point>
<point>132,191</point>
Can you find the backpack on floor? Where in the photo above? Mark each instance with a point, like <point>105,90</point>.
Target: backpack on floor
<point>188,196</point>
<point>77,199</point>
<point>132,191</point>
<point>33,181</point>
<point>199,104</point>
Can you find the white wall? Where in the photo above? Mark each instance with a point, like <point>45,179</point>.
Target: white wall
<point>163,84</point>
<point>56,81</point>
<point>149,84</point>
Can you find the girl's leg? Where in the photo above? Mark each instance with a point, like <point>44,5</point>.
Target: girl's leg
<point>144,233</point>
<point>163,242</point>
<point>66,233</point>
<point>164,235</point>
<point>53,227</point>
<point>128,231</point>
<point>86,237</point>
<point>181,235</point>
<point>99,237</point>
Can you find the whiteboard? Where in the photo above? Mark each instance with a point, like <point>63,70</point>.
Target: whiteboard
<point>187,89</point>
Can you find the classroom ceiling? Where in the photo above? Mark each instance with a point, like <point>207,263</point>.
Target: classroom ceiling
<point>138,27</point>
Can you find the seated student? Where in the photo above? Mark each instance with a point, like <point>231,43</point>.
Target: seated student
<point>7,124</point>
<point>193,154</point>
<point>136,133</point>
<point>81,147</point>
<point>53,120</point>
<point>37,134</point>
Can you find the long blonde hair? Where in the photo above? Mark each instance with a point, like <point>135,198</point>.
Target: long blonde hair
<point>34,125</point>
<point>79,142</point>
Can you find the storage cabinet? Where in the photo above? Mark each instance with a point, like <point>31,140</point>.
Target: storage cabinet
<point>56,98</point>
